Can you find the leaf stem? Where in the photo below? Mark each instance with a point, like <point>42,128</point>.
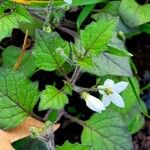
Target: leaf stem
<point>82,123</point>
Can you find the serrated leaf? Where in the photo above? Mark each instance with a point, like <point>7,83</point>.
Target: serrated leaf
<point>134,14</point>
<point>48,50</point>
<point>17,98</point>
<point>76,146</point>
<point>11,20</point>
<point>97,35</point>
<point>52,98</point>
<point>10,56</point>
<point>121,26</point>
<point>106,131</point>
<point>106,64</point>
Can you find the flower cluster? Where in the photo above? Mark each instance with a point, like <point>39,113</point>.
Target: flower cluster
<point>111,93</point>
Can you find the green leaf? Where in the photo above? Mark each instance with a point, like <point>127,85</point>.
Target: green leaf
<point>87,2</point>
<point>17,98</point>
<point>97,35</point>
<point>84,14</point>
<point>30,144</point>
<point>49,50</point>
<point>11,20</point>
<point>10,56</point>
<point>69,146</point>
<point>106,64</point>
<point>145,28</point>
<point>106,131</point>
<point>53,115</point>
<point>134,119</point>
<point>35,24</point>
<point>121,26</point>
<point>68,88</point>
<point>134,14</point>
<point>117,46</point>
<point>136,92</point>
<point>118,52</point>
<point>52,98</point>
<point>112,8</point>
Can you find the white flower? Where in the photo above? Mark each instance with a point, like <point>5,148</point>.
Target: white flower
<point>110,92</point>
<point>92,102</point>
<point>68,1</point>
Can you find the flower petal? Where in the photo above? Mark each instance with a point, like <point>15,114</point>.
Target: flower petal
<point>106,100</point>
<point>101,91</point>
<point>117,100</point>
<point>94,104</point>
<point>120,86</point>
<point>109,83</point>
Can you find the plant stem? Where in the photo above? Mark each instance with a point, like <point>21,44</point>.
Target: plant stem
<point>37,16</point>
<point>65,75</point>
<point>68,31</point>
<point>60,114</point>
<point>50,146</point>
<point>75,75</point>
<point>82,123</point>
<point>79,89</point>
<point>47,114</point>
<point>37,9</point>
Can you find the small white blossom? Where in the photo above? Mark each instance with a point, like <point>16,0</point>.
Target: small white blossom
<point>68,1</point>
<point>92,102</point>
<point>110,92</point>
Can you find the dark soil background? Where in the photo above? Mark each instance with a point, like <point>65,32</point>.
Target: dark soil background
<point>138,45</point>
